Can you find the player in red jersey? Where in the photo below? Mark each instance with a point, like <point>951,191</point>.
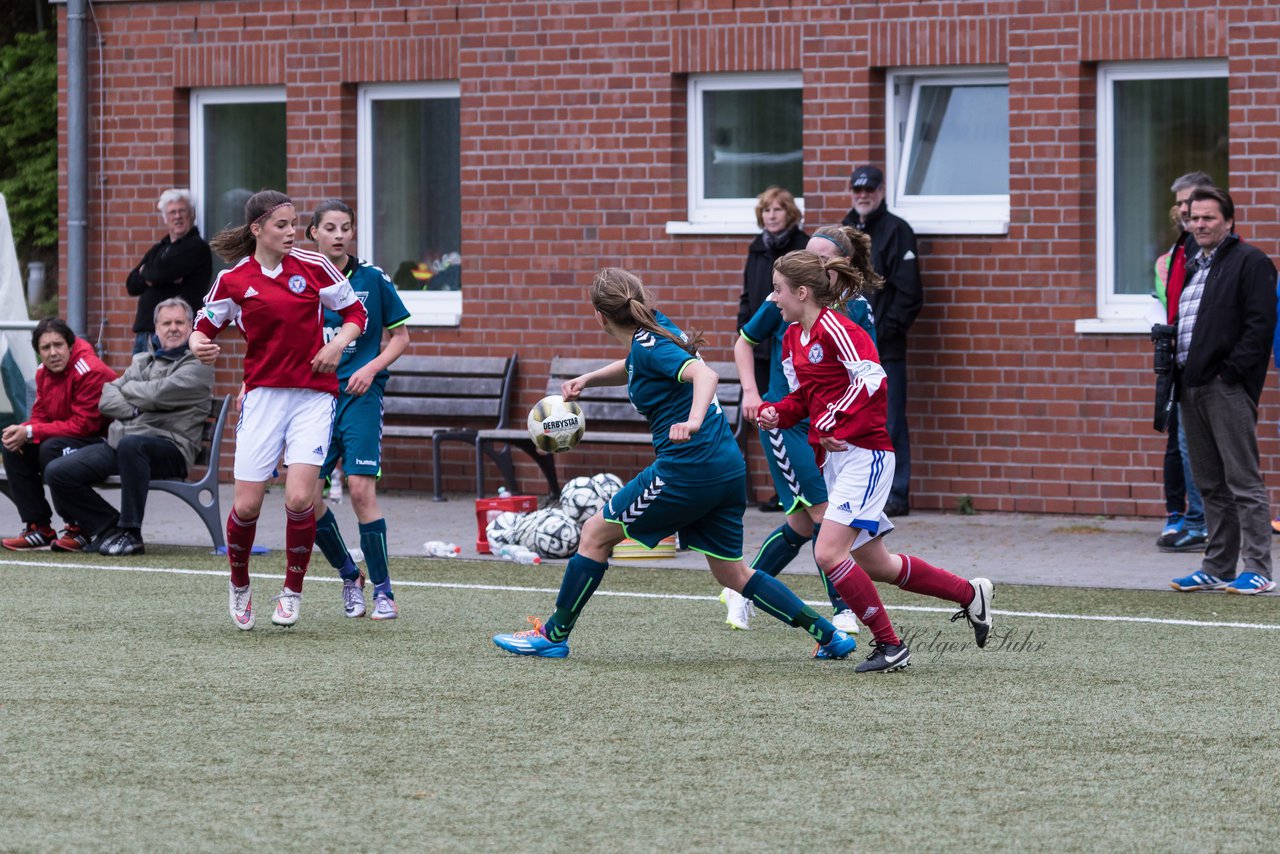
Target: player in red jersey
<point>276,296</point>
<point>837,383</point>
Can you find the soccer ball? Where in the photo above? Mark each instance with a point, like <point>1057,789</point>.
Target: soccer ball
<point>526,526</point>
<point>579,499</point>
<point>555,535</point>
<point>501,529</point>
<point>556,424</point>
<point>606,485</point>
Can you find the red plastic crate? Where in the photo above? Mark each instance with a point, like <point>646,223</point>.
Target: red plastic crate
<point>487,508</point>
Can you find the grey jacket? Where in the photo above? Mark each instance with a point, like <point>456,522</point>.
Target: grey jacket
<point>161,397</point>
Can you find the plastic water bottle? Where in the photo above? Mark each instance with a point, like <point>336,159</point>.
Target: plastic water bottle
<point>518,554</point>
<point>438,548</point>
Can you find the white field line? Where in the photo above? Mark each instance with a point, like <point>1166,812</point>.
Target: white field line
<point>1043,615</point>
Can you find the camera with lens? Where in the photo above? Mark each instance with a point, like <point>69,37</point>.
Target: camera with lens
<point>1164,337</point>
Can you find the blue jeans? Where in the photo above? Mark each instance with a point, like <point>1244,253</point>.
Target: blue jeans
<point>1195,503</point>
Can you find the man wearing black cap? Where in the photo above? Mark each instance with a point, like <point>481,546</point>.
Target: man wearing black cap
<point>893,250</point>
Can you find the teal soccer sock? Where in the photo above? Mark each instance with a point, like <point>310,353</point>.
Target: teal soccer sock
<point>581,578</point>
<point>329,538</point>
<point>775,598</point>
<point>837,604</point>
<point>778,550</point>
<point>373,542</point>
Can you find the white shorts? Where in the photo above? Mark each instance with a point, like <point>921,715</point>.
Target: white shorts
<point>298,421</point>
<point>858,483</point>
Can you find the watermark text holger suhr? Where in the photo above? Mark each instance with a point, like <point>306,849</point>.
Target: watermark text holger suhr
<point>939,642</point>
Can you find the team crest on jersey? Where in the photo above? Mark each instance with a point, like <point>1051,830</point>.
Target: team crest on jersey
<point>815,353</point>
<point>297,284</point>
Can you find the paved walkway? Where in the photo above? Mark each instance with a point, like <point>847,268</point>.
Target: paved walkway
<point>1010,548</point>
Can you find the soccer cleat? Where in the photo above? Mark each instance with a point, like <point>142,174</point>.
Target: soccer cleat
<point>384,608</point>
<point>1172,525</point>
<point>72,539</point>
<point>1250,584</point>
<point>885,658</point>
<point>839,646</point>
<point>978,612</point>
<point>846,622</point>
<point>740,609</point>
<point>353,596</point>
<point>532,642</point>
<point>241,607</point>
<point>32,537</point>
<point>1186,540</point>
<point>1198,580</point>
<point>287,604</point>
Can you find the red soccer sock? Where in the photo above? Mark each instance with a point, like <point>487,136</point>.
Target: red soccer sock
<point>917,576</point>
<point>299,538</point>
<point>240,536</point>
<point>855,588</point>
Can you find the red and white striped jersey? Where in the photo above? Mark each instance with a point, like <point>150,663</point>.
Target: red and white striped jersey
<point>836,382</point>
<point>280,312</point>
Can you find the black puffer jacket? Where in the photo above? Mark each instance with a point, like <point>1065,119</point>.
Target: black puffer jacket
<point>757,276</point>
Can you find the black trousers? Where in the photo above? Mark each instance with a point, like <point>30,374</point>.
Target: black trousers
<point>137,459</point>
<point>25,469</point>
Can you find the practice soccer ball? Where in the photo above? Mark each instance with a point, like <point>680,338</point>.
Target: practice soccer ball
<point>606,485</point>
<point>556,424</point>
<point>579,499</point>
<point>526,526</point>
<point>556,535</point>
<point>501,529</point>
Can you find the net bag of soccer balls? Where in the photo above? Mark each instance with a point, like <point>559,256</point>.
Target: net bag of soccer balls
<point>554,532</point>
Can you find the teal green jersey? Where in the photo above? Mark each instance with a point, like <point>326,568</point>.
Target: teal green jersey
<point>385,310</point>
<point>655,367</point>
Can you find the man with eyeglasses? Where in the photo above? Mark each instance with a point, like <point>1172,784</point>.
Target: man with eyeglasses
<point>180,265</point>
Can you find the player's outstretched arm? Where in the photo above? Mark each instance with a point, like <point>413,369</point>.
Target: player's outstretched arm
<point>614,373</point>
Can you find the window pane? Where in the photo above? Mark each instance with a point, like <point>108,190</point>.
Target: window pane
<point>244,152</point>
<point>1163,129</point>
<point>960,142</point>
<point>417,193</point>
<point>751,140</point>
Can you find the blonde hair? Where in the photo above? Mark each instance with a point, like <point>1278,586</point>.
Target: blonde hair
<point>856,246</point>
<point>782,197</point>
<point>620,297</point>
<point>832,281</point>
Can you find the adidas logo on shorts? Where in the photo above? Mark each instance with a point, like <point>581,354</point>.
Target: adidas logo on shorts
<point>319,452</point>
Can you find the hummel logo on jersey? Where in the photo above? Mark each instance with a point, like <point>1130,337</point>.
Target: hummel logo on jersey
<point>319,452</point>
<point>250,292</point>
<point>361,462</point>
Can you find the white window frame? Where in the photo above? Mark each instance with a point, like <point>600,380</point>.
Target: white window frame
<point>428,308</point>
<point>987,214</point>
<point>200,98</point>
<point>1119,313</point>
<point>722,216</point>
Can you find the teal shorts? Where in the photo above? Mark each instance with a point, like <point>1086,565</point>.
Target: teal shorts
<point>795,471</point>
<point>707,516</point>
<point>357,436</point>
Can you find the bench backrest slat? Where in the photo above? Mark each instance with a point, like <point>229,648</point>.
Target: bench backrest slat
<point>474,388</point>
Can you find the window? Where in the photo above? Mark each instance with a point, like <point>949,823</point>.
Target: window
<point>948,144</point>
<point>746,134</point>
<point>238,147</point>
<point>409,220</point>
<point>1156,121</point>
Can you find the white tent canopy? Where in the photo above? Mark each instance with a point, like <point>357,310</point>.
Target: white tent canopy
<point>17,360</point>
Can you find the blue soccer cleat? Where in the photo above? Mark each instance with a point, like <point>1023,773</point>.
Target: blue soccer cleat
<point>839,646</point>
<point>532,642</point>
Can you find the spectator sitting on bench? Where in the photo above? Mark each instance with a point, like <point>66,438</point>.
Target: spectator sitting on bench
<point>64,418</point>
<point>159,406</point>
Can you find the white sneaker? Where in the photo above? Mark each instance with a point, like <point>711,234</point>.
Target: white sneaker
<point>353,597</point>
<point>384,608</point>
<point>286,612</point>
<point>241,607</point>
<point>846,622</point>
<point>978,612</point>
<point>740,609</point>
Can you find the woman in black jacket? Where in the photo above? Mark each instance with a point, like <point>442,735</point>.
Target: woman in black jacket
<point>779,220</point>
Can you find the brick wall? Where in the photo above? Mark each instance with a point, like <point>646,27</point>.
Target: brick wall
<point>573,158</point>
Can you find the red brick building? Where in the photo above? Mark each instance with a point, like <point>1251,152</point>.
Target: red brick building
<point>513,147</point>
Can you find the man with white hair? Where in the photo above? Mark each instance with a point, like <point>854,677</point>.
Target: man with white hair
<point>180,265</point>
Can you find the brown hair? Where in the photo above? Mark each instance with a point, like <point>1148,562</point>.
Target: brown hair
<point>232,244</point>
<point>329,206</point>
<point>856,247</point>
<point>782,197</point>
<point>805,269</point>
<point>620,297</point>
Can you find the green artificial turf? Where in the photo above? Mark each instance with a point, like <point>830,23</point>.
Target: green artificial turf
<point>134,716</point>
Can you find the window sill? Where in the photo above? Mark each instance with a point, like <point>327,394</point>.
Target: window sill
<point>433,308</point>
<point>436,318</point>
<point>743,228</point>
<point>1113,326</point>
<point>968,226</point>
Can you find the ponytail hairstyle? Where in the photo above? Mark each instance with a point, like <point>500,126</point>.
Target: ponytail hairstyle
<point>856,247</point>
<point>620,297</point>
<point>328,206</point>
<point>832,281</point>
<point>232,244</point>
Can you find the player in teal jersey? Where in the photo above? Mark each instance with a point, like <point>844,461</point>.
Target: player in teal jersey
<point>796,476</point>
<point>357,423</point>
<point>695,486</point>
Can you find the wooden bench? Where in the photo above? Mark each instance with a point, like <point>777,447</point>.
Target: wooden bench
<point>200,495</point>
<point>449,399</point>
<point>611,419</point>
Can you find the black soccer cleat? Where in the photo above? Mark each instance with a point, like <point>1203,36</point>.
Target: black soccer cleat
<point>885,658</point>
